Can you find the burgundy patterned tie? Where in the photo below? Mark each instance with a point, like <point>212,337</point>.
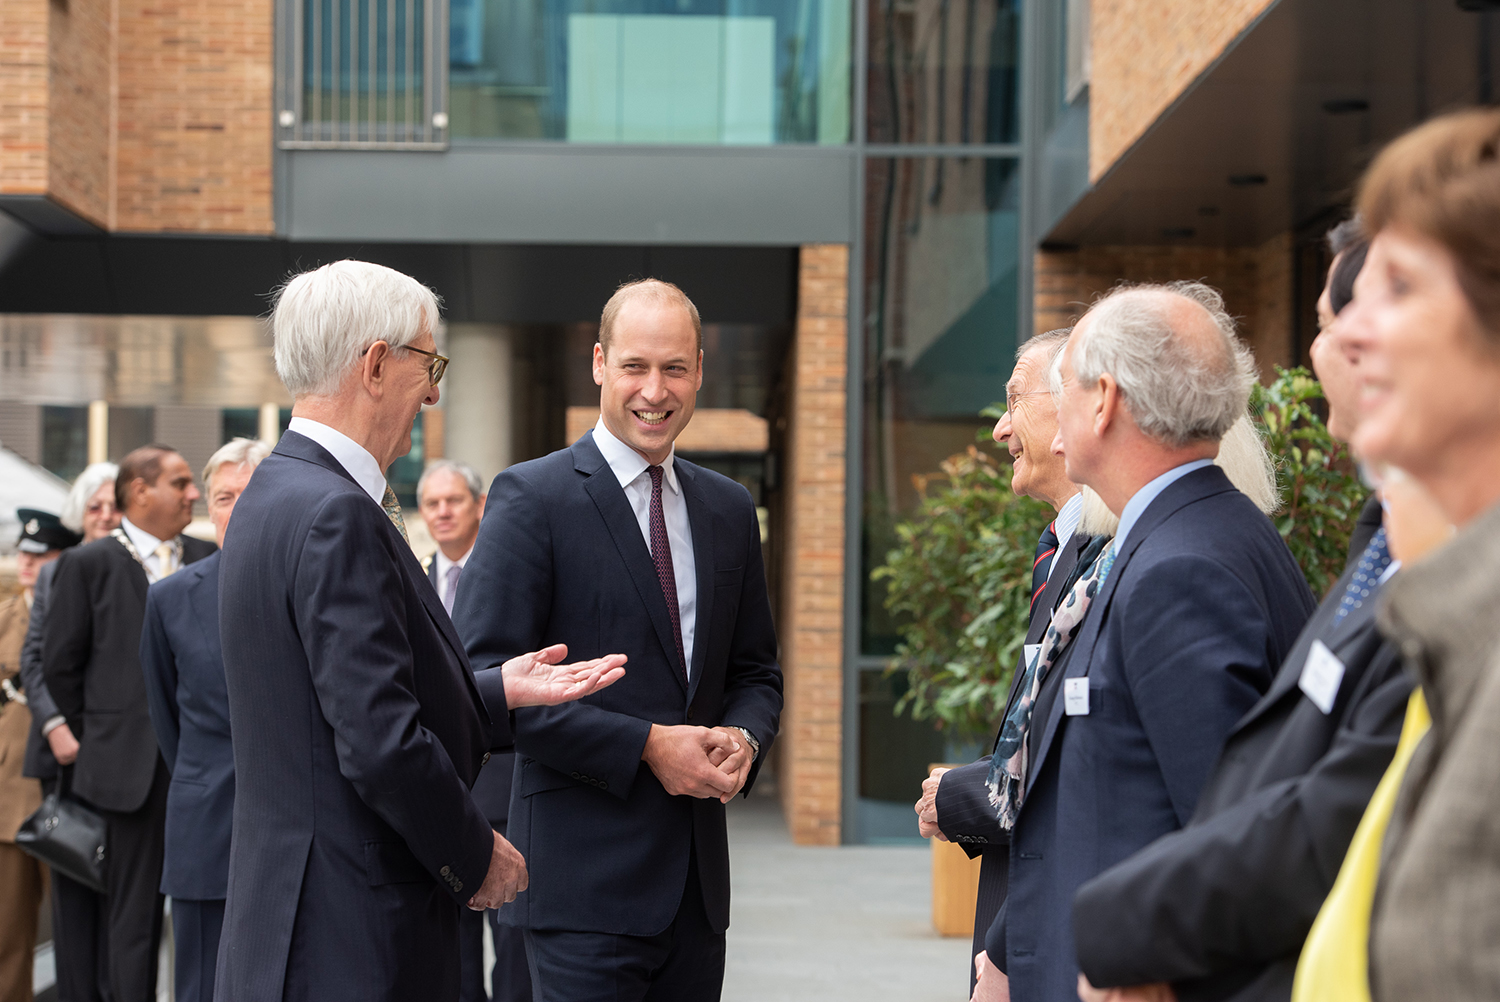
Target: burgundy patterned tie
<point>661,555</point>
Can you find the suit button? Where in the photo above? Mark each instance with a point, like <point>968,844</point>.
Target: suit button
<point>485,760</point>
<point>445,871</point>
<point>575,775</point>
<point>690,714</point>
<point>458,885</point>
<point>603,785</point>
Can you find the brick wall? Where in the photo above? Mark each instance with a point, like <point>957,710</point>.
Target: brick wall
<point>23,96</point>
<point>1145,54</point>
<point>80,123</point>
<point>1256,283</point>
<point>811,623</point>
<point>194,116</point>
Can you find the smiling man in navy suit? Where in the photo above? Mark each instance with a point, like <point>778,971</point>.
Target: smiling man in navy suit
<point>184,670</point>
<point>358,724</point>
<point>617,544</point>
<point>1189,612</point>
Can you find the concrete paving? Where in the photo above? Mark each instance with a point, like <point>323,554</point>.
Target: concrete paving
<point>841,924</point>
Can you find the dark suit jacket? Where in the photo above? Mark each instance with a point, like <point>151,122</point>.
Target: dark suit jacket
<point>91,663</point>
<point>1223,906</point>
<point>492,789</point>
<point>184,669</point>
<point>561,559</point>
<point>964,812</point>
<point>39,763</point>
<point>358,728</point>
<point>1202,604</point>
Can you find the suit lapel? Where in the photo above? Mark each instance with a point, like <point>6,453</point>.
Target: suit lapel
<point>614,508</point>
<point>703,567</point>
<point>1194,486</point>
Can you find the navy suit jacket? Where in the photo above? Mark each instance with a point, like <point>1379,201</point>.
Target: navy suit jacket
<point>358,729</point>
<point>189,706</point>
<point>492,789</point>
<point>561,559</point>
<point>1203,603</point>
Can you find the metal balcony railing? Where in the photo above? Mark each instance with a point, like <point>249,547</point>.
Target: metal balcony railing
<point>362,74</point>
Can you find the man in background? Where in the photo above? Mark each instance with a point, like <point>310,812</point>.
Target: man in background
<point>91,662</point>
<point>450,496</point>
<point>956,805</point>
<point>1189,611</point>
<point>184,670</point>
<point>22,878</point>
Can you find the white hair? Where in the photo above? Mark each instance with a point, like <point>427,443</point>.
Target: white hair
<point>1242,456</point>
<point>1176,392</point>
<point>467,473</point>
<point>325,319</point>
<point>235,452</point>
<point>86,486</point>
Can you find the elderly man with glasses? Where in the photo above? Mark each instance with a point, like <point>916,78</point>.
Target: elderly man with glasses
<point>358,724</point>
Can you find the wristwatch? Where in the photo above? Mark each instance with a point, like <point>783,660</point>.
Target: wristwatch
<point>754,744</point>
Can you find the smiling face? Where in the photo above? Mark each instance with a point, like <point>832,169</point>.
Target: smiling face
<point>650,379</point>
<point>100,516</point>
<point>1337,370</point>
<point>1429,378</point>
<point>1027,429</point>
<point>164,508</point>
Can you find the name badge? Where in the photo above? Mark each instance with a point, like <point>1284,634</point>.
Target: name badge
<point>1031,654</point>
<point>1321,675</point>
<point>1076,697</point>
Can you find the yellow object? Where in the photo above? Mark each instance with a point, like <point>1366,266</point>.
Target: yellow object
<point>955,889</point>
<point>1335,961</point>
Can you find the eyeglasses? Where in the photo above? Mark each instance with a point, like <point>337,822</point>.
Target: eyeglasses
<point>1010,397</point>
<point>435,368</point>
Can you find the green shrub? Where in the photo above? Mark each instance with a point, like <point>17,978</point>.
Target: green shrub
<point>958,581</point>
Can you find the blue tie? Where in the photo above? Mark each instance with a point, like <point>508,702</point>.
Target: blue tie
<point>1046,550</point>
<point>1372,564</point>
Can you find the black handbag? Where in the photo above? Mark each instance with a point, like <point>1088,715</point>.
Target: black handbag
<point>67,836</point>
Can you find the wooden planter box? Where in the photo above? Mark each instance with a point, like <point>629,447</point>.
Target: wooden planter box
<point>955,889</point>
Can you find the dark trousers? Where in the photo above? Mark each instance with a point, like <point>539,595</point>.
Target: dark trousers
<point>134,844</point>
<point>195,932</point>
<point>80,937</point>
<point>510,981</point>
<point>683,964</point>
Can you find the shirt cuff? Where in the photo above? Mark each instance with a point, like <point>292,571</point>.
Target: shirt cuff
<point>51,724</point>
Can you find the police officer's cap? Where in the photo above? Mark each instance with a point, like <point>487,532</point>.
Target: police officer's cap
<point>42,531</point>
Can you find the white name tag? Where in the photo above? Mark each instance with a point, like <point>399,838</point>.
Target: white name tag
<point>1031,653</point>
<point>1321,675</point>
<point>1076,697</point>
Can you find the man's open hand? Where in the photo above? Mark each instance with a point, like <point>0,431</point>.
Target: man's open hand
<point>927,823</point>
<point>684,760</point>
<point>506,877</point>
<point>538,679</point>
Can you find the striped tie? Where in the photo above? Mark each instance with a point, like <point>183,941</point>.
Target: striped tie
<point>1046,550</point>
<point>393,512</point>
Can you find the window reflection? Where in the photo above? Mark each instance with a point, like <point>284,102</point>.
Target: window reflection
<point>651,71</point>
<point>944,71</point>
<point>940,270</point>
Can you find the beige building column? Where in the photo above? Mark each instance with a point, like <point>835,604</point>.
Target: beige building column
<point>811,626</point>
<point>98,431</point>
<point>478,397</point>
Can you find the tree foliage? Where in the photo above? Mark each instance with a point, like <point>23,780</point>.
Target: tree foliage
<point>958,580</point>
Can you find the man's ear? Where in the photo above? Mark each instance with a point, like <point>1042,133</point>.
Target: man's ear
<point>1106,407</point>
<point>374,367</point>
<point>598,364</point>
<point>700,370</point>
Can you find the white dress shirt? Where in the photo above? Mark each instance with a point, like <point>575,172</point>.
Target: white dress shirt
<point>1067,520</point>
<point>1141,500</point>
<point>444,565</point>
<point>146,544</point>
<point>629,467</point>
<point>353,457</point>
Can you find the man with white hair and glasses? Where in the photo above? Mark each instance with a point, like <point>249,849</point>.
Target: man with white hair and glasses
<point>1175,631</point>
<point>358,724</point>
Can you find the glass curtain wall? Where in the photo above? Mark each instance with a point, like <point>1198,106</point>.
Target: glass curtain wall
<point>941,281</point>
<point>730,72</point>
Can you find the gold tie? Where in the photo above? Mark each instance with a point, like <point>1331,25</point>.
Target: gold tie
<point>166,560</point>
<point>393,512</point>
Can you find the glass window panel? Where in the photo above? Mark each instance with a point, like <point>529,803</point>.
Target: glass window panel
<point>747,72</point>
<point>940,271</point>
<point>65,440</point>
<point>944,71</point>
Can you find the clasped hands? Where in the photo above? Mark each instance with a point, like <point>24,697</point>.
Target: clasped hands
<point>699,762</point>
<point>926,807</point>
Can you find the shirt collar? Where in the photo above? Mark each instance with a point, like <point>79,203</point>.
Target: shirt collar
<point>443,563</point>
<point>1137,505</point>
<point>626,463</point>
<point>353,457</point>
<point>145,544</point>
<point>1068,518</point>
